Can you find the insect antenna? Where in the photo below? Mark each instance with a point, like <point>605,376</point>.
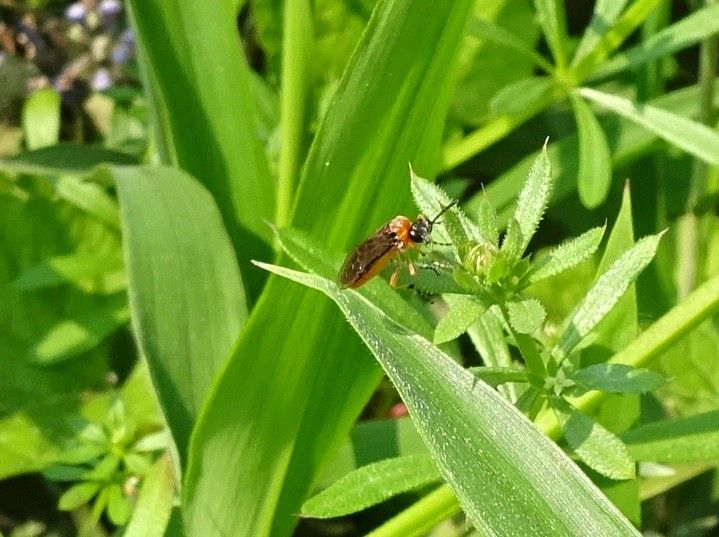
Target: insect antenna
<point>443,210</point>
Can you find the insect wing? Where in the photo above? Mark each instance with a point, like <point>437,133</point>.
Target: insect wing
<point>368,258</point>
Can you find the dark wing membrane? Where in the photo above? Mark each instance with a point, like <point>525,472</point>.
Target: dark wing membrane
<point>361,260</point>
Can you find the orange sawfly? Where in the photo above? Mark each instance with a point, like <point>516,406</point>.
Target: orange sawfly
<point>394,238</point>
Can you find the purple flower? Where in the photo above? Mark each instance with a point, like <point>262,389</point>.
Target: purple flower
<point>76,12</point>
<point>101,80</point>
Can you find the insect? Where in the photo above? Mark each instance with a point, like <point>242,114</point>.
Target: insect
<point>394,238</point>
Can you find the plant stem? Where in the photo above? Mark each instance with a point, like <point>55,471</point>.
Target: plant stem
<point>528,349</point>
<point>296,55</point>
<point>676,323</point>
<point>688,243</point>
<point>421,517</point>
<point>457,152</point>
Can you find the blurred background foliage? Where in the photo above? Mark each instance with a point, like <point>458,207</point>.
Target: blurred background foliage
<point>80,426</point>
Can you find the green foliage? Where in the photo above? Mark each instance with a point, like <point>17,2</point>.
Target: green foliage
<point>307,120</point>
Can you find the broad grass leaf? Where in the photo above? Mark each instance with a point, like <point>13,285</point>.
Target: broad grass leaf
<point>284,404</point>
<point>462,312</point>
<point>567,255</point>
<point>690,439</point>
<point>41,118</point>
<point>617,378</point>
<point>456,414</point>
<point>606,292</point>
<point>700,24</point>
<point>64,158</point>
<point>204,113</point>
<point>372,484</point>
<point>595,164</point>
<point>186,295</point>
<point>694,138</point>
<point>154,502</point>
<point>597,447</point>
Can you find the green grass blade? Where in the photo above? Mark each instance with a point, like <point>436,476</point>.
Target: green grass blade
<point>688,31</point>
<point>694,138</point>
<point>691,439</point>
<point>595,163</point>
<point>511,480</point>
<point>372,484</point>
<point>205,116</point>
<point>186,294</point>
<point>284,404</point>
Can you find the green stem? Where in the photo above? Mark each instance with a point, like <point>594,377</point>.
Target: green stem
<point>457,152</point>
<point>421,517</point>
<point>666,331</point>
<point>528,349</point>
<point>689,237</point>
<point>296,57</point>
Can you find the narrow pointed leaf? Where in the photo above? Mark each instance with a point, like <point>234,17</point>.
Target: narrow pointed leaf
<point>205,115</point>
<point>487,220</point>
<point>690,439</point>
<point>601,450</point>
<point>518,96</point>
<point>431,199</point>
<point>688,31</point>
<point>604,15</point>
<point>372,484</point>
<point>510,479</point>
<point>491,31</point>
<point>488,338</point>
<point>694,138</point>
<point>595,162</point>
<point>179,260</point>
<point>617,378</point>
<point>554,24</point>
<point>569,254</point>
<point>605,293</point>
<point>495,376</point>
<point>534,198</point>
<point>461,314</point>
